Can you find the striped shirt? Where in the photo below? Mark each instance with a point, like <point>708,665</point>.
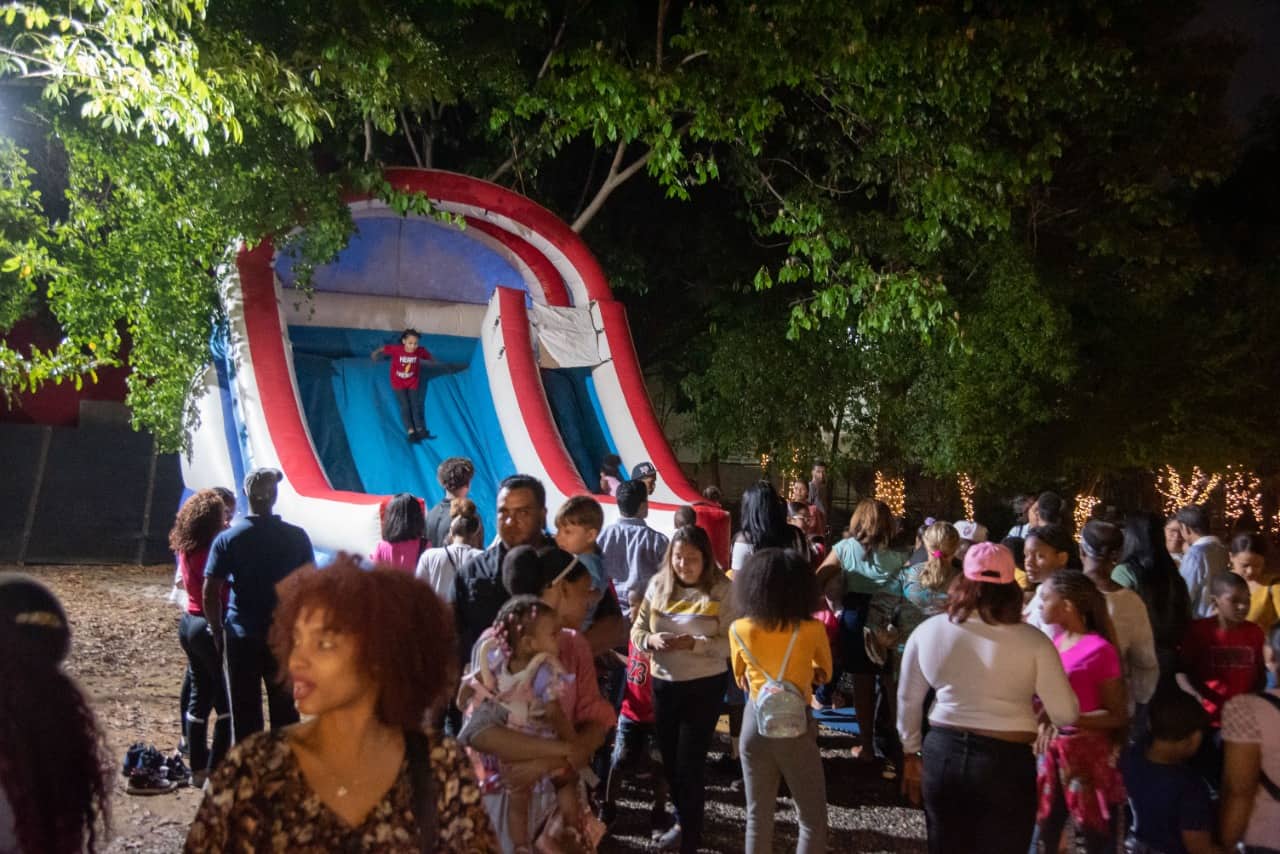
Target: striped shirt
<point>687,611</point>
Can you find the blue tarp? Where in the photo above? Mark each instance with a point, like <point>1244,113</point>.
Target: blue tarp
<point>355,421</point>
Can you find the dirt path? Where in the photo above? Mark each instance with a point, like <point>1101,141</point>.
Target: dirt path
<point>126,656</point>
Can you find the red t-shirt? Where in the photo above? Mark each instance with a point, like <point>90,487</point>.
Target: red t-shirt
<point>191,565</point>
<point>404,365</point>
<point>637,697</point>
<point>1227,661</point>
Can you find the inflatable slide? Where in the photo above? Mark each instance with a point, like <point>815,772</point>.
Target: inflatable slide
<point>535,370</point>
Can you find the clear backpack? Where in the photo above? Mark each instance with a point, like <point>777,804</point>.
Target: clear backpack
<point>781,711</point>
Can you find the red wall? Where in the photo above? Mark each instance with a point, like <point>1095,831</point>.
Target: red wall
<point>56,405</point>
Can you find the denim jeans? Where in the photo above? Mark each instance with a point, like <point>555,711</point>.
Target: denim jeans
<point>207,693</point>
<point>979,793</point>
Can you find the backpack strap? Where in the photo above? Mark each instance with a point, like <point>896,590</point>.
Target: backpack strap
<point>417,748</point>
<point>786,659</point>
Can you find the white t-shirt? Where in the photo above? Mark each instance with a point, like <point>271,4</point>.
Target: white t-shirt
<point>1249,719</point>
<point>1135,643</point>
<point>438,567</point>
<point>984,677</point>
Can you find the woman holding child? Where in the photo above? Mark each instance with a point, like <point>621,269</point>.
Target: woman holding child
<point>543,763</point>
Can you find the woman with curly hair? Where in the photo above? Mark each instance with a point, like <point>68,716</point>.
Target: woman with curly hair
<point>369,654</point>
<point>201,518</point>
<point>54,794</point>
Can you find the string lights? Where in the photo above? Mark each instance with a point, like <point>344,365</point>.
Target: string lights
<point>892,491</point>
<point>965,483</point>
<point>1243,491</point>
<point>764,462</point>
<point>1178,494</point>
<point>1084,509</point>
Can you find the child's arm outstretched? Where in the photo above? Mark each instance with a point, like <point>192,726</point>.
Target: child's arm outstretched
<point>378,353</point>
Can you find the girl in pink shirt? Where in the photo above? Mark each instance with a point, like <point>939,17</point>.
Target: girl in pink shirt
<point>404,531</point>
<point>1077,776</point>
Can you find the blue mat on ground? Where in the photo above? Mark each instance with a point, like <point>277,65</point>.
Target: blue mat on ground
<point>842,720</point>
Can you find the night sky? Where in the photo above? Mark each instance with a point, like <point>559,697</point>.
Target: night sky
<point>1258,72</point>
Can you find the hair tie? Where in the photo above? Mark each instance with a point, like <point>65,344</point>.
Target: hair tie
<point>936,554</point>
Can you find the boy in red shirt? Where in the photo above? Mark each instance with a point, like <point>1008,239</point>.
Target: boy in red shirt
<point>406,381</point>
<point>1221,658</point>
<point>635,746</point>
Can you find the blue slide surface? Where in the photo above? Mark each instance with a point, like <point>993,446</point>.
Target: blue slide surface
<point>576,409</point>
<point>355,421</point>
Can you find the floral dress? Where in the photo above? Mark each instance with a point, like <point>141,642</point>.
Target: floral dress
<point>258,801</point>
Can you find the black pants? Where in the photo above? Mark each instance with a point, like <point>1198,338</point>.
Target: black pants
<point>208,693</point>
<point>979,793</point>
<point>685,715</point>
<point>250,665</point>
<point>410,400</point>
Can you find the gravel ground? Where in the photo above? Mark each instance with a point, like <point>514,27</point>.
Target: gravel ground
<point>125,655</point>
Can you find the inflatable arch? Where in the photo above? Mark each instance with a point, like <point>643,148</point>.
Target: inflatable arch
<point>535,368</point>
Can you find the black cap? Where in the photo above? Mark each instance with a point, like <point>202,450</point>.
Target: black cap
<point>34,616</point>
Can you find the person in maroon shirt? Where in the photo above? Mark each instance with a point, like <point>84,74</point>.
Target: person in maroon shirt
<point>201,518</point>
<point>1221,659</point>
<point>406,381</point>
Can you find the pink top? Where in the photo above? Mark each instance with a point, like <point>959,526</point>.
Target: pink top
<point>580,695</point>
<point>402,555</point>
<point>191,566</point>
<point>1090,663</point>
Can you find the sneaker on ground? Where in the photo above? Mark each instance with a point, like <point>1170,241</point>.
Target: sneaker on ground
<point>670,841</point>
<point>148,781</point>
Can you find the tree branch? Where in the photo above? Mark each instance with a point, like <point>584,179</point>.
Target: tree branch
<point>555,44</point>
<point>663,7</point>
<point>408,135</point>
<point>368,139</point>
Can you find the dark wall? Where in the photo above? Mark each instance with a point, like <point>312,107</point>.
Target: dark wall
<point>86,495</point>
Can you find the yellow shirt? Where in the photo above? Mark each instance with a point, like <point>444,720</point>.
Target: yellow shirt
<point>812,652</point>
<point>1264,606</point>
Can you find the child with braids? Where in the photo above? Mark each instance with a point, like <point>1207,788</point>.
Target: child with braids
<point>514,681</point>
<point>1078,778</point>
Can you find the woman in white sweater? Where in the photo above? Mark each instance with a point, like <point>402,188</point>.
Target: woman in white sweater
<point>1101,545</point>
<point>684,622</point>
<point>975,767</point>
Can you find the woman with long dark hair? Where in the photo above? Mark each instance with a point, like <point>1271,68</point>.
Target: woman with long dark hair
<point>1148,569</point>
<point>200,519</point>
<point>53,769</point>
<point>764,525</point>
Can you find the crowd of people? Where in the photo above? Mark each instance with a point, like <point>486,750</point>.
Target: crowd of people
<point>1109,684</point>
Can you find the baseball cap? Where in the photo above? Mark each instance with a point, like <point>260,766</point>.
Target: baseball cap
<point>643,470</point>
<point>261,483</point>
<point>971,531</point>
<point>990,562</point>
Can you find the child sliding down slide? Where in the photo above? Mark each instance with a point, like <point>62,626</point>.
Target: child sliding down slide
<point>406,381</point>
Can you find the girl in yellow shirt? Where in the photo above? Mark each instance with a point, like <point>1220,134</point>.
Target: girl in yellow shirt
<point>1249,561</point>
<point>775,591</point>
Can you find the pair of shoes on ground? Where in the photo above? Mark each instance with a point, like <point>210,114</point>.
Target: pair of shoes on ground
<point>150,772</point>
<point>419,435</point>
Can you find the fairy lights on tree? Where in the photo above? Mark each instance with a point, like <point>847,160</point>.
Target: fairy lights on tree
<point>1177,493</point>
<point>892,491</point>
<point>1084,509</point>
<point>965,483</point>
<point>1243,491</point>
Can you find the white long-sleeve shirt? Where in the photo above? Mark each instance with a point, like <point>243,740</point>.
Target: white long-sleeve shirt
<point>984,677</point>
<point>1135,643</point>
<point>1202,560</point>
